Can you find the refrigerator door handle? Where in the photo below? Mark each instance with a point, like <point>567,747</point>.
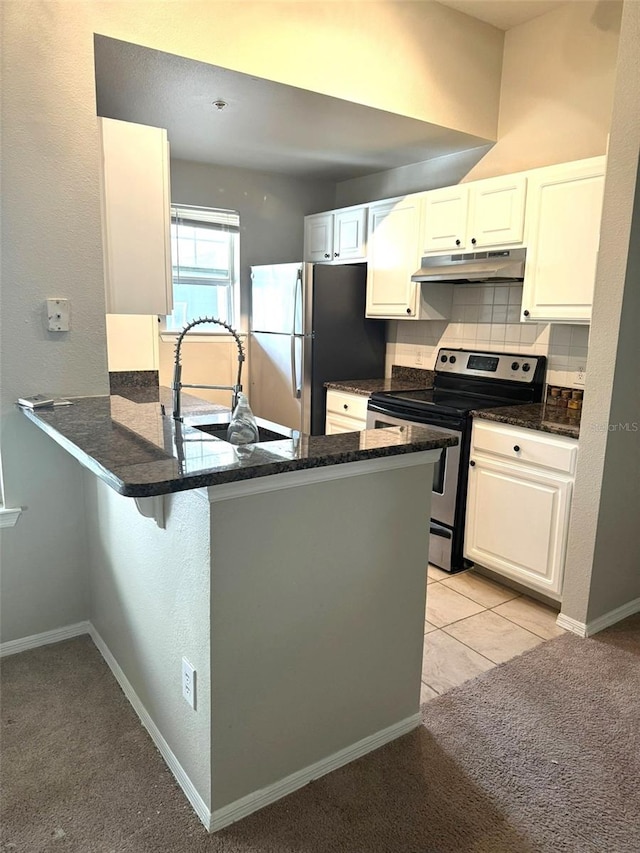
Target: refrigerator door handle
<point>296,386</point>
<point>297,300</point>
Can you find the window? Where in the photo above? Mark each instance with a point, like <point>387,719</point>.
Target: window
<point>205,247</point>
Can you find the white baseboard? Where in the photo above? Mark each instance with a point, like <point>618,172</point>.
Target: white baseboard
<point>572,625</point>
<point>13,647</point>
<point>588,629</point>
<point>248,804</point>
<point>265,796</point>
<point>199,805</point>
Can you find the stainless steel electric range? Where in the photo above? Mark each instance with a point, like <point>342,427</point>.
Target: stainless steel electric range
<point>465,380</point>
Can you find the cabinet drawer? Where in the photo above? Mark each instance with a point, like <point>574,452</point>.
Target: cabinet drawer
<point>533,448</point>
<point>352,405</point>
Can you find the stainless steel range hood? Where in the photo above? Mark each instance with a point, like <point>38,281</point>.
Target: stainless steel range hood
<point>492,266</point>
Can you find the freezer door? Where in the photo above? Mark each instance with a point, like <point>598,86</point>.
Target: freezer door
<point>277,378</point>
<point>277,298</point>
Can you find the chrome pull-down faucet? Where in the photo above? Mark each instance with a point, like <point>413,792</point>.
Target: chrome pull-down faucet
<point>177,368</point>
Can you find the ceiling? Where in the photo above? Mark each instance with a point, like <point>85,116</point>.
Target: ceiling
<point>265,125</point>
<point>504,14</point>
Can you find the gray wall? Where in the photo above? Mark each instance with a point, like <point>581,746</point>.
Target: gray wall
<point>272,209</point>
<point>603,561</point>
<point>416,177</point>
<point>149,590</point>
<point>51,246</point>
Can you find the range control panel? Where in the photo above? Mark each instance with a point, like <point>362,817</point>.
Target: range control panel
<point>489,365</point>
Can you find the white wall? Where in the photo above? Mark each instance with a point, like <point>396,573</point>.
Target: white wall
<point>51,246</point>
<point>415,58</point>
<point>132,342</point>
<point>51,238</point>
<point>556,96</point>
<point>558,78</point>
<point>603,561</point>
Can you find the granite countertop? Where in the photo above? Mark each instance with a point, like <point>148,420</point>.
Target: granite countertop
<point>402,379</point>
<point>140,452</point>
<point>539,416</point>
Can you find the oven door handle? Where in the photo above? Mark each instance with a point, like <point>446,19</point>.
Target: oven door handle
<point>428,419</point>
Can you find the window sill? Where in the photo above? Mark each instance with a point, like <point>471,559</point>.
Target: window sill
<point>9,517</point>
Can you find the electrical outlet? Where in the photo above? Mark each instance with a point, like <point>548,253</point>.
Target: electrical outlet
<point>58,312</point>
<point>419,356</point>
<point>580,376</point>
<point>189,683</point>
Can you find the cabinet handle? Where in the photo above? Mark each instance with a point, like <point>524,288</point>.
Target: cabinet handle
<point>457,242</point>
<point>345,406</point>
<point>526,313</point>
<point>472,463</point>
<point>473,241</point>
<point>336,254</point>
<point>327,255</point>
<point>516,447</point>
<point>408,310</point>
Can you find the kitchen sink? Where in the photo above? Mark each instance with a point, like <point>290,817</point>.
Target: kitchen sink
<point>220,431</point>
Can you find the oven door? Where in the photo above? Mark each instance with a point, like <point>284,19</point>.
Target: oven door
<point>445,471</point>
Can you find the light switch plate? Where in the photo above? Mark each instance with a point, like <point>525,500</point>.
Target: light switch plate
<point>58,315</point>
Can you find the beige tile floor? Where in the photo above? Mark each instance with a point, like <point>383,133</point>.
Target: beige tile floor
<point>472,624</point>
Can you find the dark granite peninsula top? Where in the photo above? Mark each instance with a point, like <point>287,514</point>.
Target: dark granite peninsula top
<point>538,416</point>
<point>140,452</point>
<point>402,379</point>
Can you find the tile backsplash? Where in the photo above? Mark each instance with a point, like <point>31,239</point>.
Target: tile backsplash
<point>488,317</point>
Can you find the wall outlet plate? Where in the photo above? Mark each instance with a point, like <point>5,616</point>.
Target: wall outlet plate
<point>579,377</point>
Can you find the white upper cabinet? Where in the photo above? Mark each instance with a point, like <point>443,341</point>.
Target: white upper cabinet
<point>136,218</point>
<point>564,210</point>
<point>445,213</point>
<point>318,238</point>
<point>336,237</point>
<point>473,216</point>
<point>393,258</point>
<point>350,234</point>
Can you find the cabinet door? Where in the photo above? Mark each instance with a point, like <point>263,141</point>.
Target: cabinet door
<point>496,212</point>
<point>393,257</point>
<point>340,423</point>
<point>318,238</point>
<point>564,209</point>
<point>445,220</point>
<point>136,218</point>
<point>349,234</point>
<point>517,522</point>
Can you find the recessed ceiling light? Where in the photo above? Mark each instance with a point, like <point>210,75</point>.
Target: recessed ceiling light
<point>220,104</point>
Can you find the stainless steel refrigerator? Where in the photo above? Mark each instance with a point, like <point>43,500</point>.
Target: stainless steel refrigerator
<point>308,327</point>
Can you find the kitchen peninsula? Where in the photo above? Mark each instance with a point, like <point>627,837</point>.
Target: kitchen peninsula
<point>290,575</point>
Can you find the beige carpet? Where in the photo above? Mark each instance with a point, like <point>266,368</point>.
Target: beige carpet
<point>539,754</point>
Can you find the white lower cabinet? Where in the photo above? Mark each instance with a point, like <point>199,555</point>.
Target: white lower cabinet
<point>345,412</point>
<point>519,503</point>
